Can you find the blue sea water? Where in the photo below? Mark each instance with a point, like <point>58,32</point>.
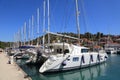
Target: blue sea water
<point>110,70</point>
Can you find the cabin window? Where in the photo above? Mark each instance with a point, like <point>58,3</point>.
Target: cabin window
<point>59,50</point>
<point>75,58</point>
<point>66,51</point>
<point>84,50</point>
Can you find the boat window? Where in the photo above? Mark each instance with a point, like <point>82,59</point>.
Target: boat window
<point>51,47</point>
<point>66,51</point>
<point>84,50</point>
<point>75,58</point>
<point>59,50</point>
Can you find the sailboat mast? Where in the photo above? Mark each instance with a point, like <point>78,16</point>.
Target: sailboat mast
<point>77,20</point>
<point>29,33</point>
<point>38,26</point>
<point>48,23</point>
<point>18,35</point>
<point>43,23</point>
<point>32,29</point>
<point>21,36</point>
<point>14,40</point>
<point>24,33</point>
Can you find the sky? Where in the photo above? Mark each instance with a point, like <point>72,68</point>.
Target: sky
<point>95,16</point>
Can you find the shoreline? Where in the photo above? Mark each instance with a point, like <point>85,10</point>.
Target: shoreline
<point>11,71</point>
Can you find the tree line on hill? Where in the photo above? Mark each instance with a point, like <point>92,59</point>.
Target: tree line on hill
<point>87,35</point>
<point>4,44</point>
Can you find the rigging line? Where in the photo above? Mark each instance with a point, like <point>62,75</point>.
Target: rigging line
<point>84,14</point>
<point>69,17</point>
<point>64,18</point>
<point>84,17</point>
<point>77,20</point>
<point>52,11</point>
<point>54,8</point>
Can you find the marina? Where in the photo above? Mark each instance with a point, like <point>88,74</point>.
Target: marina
<point>58,43</point>
<point>104,71</point>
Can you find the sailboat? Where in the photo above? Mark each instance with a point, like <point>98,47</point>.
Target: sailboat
<point>36,51</point>
<point>65,56</point>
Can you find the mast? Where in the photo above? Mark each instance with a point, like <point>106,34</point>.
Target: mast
<point>29,33</point>
<point>48,24</point>
<point>21,35</point>
<point>24,33</point>
<point>15,40</point>
<point>38,26</point>
<point>32,29</point>
<point>43,23</point>
<point>77,21</point>
<point>18,35</point>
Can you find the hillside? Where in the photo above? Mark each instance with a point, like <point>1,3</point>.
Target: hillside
<point>87,37</point>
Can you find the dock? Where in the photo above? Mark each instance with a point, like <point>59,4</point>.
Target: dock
<point>11,71</point>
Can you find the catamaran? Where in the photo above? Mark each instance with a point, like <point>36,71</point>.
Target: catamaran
<point>65,56</point>
<point>71,57</point>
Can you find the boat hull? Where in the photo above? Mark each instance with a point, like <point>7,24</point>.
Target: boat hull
<point>71,63</point>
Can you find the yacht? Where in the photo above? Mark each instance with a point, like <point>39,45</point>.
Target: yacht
<point>35,55</point>
<point>111,51</point>
<point>66,56</point>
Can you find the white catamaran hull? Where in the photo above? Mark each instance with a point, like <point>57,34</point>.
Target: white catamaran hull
<point>68,62</point>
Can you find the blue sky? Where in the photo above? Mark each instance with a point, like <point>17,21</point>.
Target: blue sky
<point>95,16</point>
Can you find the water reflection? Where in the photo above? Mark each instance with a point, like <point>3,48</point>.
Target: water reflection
<point>84,74</point>
<point>91,73</point>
